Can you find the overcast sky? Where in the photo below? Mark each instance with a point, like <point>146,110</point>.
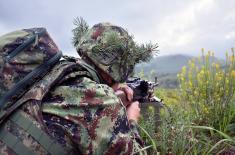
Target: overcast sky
<point>182,26</point>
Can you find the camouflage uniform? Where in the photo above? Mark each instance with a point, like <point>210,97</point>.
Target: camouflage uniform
<point>69,106</point>
<point>90,115</point>
<point>82,115</point>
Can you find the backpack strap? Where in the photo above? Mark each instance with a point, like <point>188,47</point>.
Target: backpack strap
<point>27,43</point>
<point>28,80</point>
<point>91,70</point>
<point>38,134</point>
<point>27,124</point>
<point>18,118</point>
<point>54,76</point>
<point>14,143</point>
<point>21,120</point>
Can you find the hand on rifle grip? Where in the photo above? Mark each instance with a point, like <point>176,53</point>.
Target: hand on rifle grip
<point>127,90</point>
<point>132,108</point>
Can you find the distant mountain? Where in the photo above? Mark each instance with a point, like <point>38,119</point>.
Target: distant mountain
<point>165,64</point>
<point>165,68</point>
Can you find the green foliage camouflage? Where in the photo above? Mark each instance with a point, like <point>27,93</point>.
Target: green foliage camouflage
<point>110,48</point>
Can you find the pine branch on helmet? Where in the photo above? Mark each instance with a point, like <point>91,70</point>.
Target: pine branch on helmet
<point>110,48</point>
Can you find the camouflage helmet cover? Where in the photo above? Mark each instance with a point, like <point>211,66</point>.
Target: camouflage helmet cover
<point>112,49</point>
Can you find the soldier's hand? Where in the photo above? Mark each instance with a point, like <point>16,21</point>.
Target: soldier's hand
<point>127,90</point>
<point>133,111</point>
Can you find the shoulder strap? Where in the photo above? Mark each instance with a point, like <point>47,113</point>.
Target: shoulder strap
<point>25,123</point>
<point>14,143</point>
<point>32,77</point>
<point>91,70</point>
<point>40,88</point>
<point>39,135</point>
<point>21,120</point>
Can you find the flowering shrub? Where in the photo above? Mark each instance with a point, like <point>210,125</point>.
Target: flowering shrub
<point>200,115</point>
<point>207,87</point>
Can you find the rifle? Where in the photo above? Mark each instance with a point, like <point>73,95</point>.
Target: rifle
<point>143,91</point>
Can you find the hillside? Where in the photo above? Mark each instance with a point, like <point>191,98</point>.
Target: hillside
<point>165,64</point>
<point>165,68</point>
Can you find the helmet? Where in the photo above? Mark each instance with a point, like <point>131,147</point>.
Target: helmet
<point>111,49</point>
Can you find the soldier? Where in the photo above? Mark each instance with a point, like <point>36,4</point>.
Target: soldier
<point>80,111</point>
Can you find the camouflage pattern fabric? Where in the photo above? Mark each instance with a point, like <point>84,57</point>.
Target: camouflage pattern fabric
<point>83,116</point>
<point>111,48</point>
<point>90,117</point>
<point>24,137</point>
<point>37,52</point>
<point>32,108</point>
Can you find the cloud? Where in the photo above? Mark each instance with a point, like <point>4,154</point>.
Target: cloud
<point>183,26</point>
<point>3,29</point>
<point>200,24</point>
<point>230,35</point>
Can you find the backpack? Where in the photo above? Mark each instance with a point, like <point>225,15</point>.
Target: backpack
<point>26,56</point>
<point>29,67</point>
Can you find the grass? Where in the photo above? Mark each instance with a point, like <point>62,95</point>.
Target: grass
<point>178,134</point>
<point>201,119</point>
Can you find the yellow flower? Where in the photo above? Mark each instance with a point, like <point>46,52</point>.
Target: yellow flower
<point>205,109</point>
<point>199,77</point>
<point>209,53</point>
<point>218,78</point>
<point>231,58</point>
<point>233,73</point>
<point>207,58</point>
<point>190,84</point>
<point>193,65</point>
<point>199,59</point>
<point>202,72</point>
<point>151,109</point>
<point>184,69</point>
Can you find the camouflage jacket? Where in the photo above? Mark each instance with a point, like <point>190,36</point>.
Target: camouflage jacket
<point>83,116</point>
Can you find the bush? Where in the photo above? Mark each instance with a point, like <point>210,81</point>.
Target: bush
<point>202,115</point>
<point>207,88</point>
